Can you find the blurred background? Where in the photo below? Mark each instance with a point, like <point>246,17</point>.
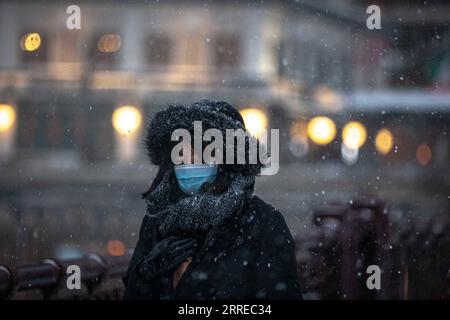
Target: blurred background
<point>360,112</point>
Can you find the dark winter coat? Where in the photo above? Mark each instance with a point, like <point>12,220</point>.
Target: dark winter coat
<point>251,256</point>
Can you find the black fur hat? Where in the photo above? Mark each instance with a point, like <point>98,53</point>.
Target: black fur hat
<point>213,114</point>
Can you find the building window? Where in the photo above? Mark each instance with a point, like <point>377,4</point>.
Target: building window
<point>28,128</point>
<point>42,129</point>
<point>68,47</point>
<point>159,50</point>
<point>194,50</point>
<point>227,51</point>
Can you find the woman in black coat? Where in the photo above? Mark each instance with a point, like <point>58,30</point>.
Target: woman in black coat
<point>217,242</point>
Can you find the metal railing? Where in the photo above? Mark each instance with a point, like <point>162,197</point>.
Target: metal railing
<point>332,259</point>
<point>100,278</point>
<point>412,254</point>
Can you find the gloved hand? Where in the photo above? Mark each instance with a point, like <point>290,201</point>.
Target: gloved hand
<point>165,256</point>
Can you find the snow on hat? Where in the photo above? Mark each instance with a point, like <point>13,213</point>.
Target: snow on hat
<point>213,114</point>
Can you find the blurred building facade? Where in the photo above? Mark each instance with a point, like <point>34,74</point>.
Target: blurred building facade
<point>64,155</point>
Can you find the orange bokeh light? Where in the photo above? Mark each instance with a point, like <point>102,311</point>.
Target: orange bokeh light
<point>423,154</point>
<point>116,248</point>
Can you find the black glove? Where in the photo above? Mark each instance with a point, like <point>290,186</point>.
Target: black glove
<point>165,256</point>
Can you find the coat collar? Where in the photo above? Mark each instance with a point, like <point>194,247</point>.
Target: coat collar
<point>215,234</point>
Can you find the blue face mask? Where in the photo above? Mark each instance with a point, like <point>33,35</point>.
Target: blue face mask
<point>191,177</point>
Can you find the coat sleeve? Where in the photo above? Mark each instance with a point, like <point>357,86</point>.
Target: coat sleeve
<point>276,267</point>
<point>135,288</point>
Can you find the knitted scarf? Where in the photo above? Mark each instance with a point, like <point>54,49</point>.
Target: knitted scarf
<point>196,214</point>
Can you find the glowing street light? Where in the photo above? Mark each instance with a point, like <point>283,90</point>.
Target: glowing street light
<point>7,117</point>
<point>354,135</point>
<point>126,120</point>
<point>321,130</point>
<point>255,121</point>
<point>7,132</point>
<point>384,141</point>
<point>31,41</point>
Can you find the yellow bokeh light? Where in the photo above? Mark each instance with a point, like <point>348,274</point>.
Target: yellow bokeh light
<point>31,41</point>
<point>384,141</point>
<point>7,117</point>
<point>109,43</point>
<point>354,135</point>
<point>126,120</point>
<point>255,121</point>
<point>321,130</point>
